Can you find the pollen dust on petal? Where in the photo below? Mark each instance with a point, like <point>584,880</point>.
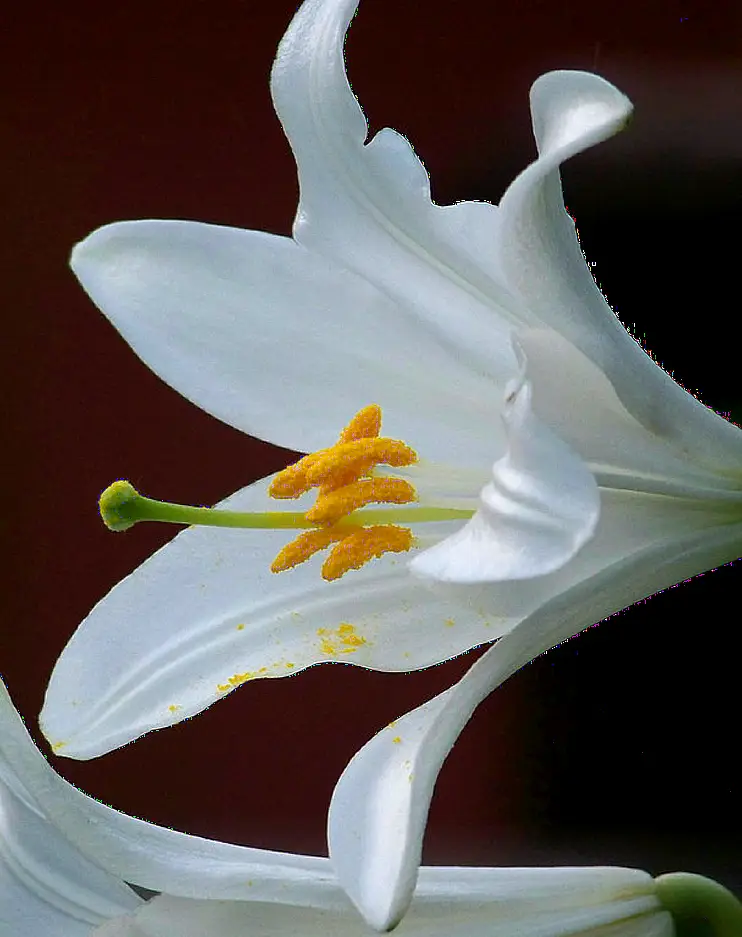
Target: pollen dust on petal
<point>341,640</point>
<point>238,679</point>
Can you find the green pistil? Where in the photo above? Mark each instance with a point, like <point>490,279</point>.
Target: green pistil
<point>121,506</point>
<point>699,906</point>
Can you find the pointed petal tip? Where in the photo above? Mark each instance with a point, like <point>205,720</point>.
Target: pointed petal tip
<point>92,247</point>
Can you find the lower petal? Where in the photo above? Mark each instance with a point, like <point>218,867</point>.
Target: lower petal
<point>135,851</point>
<point>380,804</point>
<point>476,902</point>
<point>46,885</point>
<point>205,615</point>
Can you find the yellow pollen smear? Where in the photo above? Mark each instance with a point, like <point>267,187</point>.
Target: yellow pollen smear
<point>337,474</point>
<point>239,678</point>
<point>341,640</point>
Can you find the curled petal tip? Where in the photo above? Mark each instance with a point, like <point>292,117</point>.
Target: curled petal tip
<point>573,109</point>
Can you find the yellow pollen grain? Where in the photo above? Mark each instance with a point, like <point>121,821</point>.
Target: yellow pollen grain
<point>289,666</point>
<point>449,622</point>
<point>341,640</point>
<point>367,422</point>
<point>331,507</point>
<point>173,708</point>
<point>358,548</point>
<point>240,627</point>
<point>304,546</point>
<point>58,746</point>
<point>397,739</point>
<point>236,680</point>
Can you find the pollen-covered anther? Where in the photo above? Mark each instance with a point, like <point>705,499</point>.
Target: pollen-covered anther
<point>343,474</point>
<point>356,549</point>
<point>292,481</point>
<point>304,546</point>
<point>331,507</point>
<point>366,423</point>
<point>358,456</point>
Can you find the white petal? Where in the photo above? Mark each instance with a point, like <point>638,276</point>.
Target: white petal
<point>155,857</point>
<point>470,902</point>
<point>46,886</point>
<point>205,614</point>
<point>283,344</point>
<point>575,399</point>
<point>541,258</point>
<point>380,805</point>
<point>369,207</point>
<point>539,509</point>
<point>167,641</point>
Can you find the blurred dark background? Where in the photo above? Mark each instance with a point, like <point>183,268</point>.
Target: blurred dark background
<point>615,748</point>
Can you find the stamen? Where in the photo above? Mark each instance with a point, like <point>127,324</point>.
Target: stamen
<point>337,473</point>
<point>355,550</point>
<point>292,481</point>
<point>330,507</point>
<point>342,456</point>
<point>304,546</point>
<point>365,423</point>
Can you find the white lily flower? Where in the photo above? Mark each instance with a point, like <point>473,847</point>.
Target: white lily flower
<point>479,332</point>
<point>64,857</point>
<point>589,478</point>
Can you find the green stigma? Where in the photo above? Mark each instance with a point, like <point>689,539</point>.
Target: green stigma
<point>121,506</point>
<point>117,506</point>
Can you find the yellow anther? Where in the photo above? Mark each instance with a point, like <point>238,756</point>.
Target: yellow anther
<point>365,423</point>
<point>338,474</point>
<point>355,550</point>
<point>330,507</point>
<point>304,546</point>
<point>292,481</point>
<point>362,453</point>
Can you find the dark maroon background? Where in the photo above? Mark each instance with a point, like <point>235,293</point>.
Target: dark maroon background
<point>616,747</point>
